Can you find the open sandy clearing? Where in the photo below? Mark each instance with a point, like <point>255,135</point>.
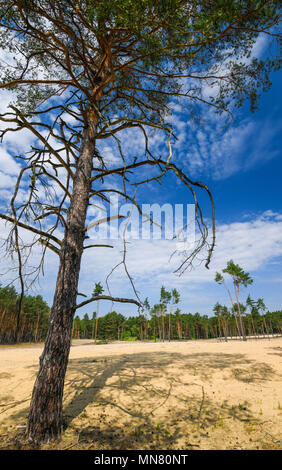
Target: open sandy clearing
<point>189,395</point>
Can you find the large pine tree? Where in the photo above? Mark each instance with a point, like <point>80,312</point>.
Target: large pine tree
<point>83,70</point>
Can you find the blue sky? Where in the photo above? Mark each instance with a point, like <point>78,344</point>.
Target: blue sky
<point>242,167</point>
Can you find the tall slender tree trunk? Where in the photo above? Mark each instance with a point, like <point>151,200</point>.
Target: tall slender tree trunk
<point>265,327</point>
<point>243,333</point>
<point>253,325</point>
<point>219,327</point>
<point>45,417</point>
<point>163,323</point>
<point>234,312</point>
<point>178,328</point>
<point>72,330</point>
<point>169,326</point>
<point>271,327</point>
<point>96,325</point>
<point>225,331</point>
<point>36,329</point>
<point>2,318</point>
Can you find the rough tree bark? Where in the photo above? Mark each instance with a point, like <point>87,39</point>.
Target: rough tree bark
<point>45,418</point>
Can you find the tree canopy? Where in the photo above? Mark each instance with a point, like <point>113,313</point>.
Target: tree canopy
<point>116,65</point>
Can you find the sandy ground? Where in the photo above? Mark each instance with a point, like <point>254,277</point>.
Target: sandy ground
<point>188,395</point>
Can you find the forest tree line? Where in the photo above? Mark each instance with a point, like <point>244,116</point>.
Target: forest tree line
<point>175,326</point>
<point>162,321</point>
<point>33,320</point>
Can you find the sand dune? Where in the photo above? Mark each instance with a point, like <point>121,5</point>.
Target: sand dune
<point>188,395</point>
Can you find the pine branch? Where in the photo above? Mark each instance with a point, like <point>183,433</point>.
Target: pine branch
<point>108,297</point>
<point>30,228</point>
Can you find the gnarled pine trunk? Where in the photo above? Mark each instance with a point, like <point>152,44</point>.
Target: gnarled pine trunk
<point>45,416</point>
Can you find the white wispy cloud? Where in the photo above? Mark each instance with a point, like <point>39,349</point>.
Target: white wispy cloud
<point>254,244</point>
<point>218,151</point>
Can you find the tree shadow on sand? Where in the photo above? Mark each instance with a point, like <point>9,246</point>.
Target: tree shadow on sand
<point>153,400</point>
<point>149,399</point>
<point>277,351</point>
